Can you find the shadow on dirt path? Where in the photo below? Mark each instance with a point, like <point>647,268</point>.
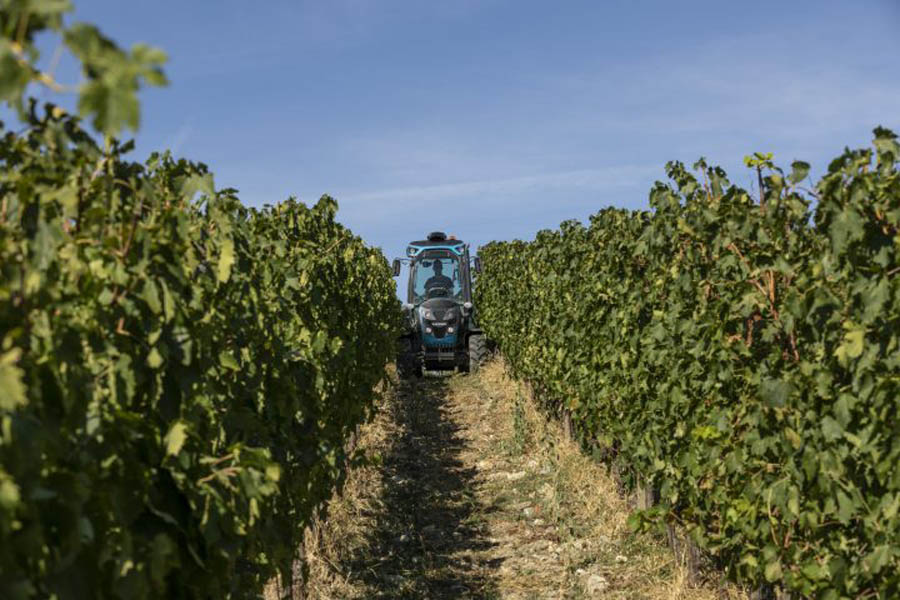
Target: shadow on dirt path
<point>479,495</point>
<point>428,541</point>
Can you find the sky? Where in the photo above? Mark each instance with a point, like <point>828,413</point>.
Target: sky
<point>494,119</point>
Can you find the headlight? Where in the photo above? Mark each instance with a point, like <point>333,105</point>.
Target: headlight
<point>450,315</point>
<point>427,313</point>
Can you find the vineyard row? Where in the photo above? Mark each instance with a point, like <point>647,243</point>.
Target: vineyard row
<point>737,354</point>
<point>179,374</point>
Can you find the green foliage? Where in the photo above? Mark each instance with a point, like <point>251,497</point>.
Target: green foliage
<point>108,95</point>
<point>179,374</point>
<point>741,356</point>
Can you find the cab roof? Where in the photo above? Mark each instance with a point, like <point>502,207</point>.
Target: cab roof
<point>436,240</point>
<point>434,243</point>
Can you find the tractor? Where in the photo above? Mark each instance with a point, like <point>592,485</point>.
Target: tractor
<point>442,332</point>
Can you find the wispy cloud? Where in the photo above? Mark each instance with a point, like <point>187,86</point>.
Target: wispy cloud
<point>478,209</point>
<point>509,140</point>
<point>312,27</point>
<point>769,84</point>
<point>583,179</point>
<point>180,138</point>
<point>722,97</point>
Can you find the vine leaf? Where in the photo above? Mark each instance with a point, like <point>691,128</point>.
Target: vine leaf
<point>175,438</point>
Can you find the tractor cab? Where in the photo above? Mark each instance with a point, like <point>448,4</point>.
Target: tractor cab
<point>439,310</point>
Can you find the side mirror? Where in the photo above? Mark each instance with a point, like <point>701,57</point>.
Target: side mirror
<point>478,264</point>
<point>407,307</point>
<point>396,267</point>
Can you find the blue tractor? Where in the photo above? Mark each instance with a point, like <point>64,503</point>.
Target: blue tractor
<point>442,329</point>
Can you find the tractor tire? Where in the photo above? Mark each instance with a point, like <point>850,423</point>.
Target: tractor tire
<point>477,352</point>
<point>408,366</point>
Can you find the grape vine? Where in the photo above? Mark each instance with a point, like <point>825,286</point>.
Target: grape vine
<point>739,355</point>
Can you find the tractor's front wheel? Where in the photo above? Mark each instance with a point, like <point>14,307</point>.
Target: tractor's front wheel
<point>477,352</point>
<point>408,363</point>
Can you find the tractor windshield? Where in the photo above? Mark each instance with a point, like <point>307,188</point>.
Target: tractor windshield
<point>436,278</point>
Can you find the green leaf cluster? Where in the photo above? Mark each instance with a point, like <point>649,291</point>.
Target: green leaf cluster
<point>179,374</point>
<point>740,355</point>
<point>112,76</point>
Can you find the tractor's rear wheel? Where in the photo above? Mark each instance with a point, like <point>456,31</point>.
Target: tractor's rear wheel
<point>477,352</point>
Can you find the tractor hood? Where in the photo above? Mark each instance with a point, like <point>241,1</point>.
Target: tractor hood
<point>439,306</point>
<point>439,322</point>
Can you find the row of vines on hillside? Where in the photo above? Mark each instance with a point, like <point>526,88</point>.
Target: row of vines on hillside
<point>740,355</point>
<point>179,374</point>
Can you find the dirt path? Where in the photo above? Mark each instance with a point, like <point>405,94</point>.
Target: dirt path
<point>475,495</point>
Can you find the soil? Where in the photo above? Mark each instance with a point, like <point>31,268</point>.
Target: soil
<point>470,492</point>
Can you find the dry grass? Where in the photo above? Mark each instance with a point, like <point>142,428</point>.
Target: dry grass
<point>349,517</point>
<point>579,544</point>
<point>476,495</point>
<point>346,521</point>
<point>408,527</point>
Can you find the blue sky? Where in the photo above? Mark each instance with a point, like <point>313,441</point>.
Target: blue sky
<point>493,119</point>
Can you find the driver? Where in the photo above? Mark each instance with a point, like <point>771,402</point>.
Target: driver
<point>439,279</point>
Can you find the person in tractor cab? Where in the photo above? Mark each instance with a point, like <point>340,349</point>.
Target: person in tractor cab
<point>439,279</point>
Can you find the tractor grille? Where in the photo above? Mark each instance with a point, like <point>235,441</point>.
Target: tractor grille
<point>441,314</point>
<point>447,341</point>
